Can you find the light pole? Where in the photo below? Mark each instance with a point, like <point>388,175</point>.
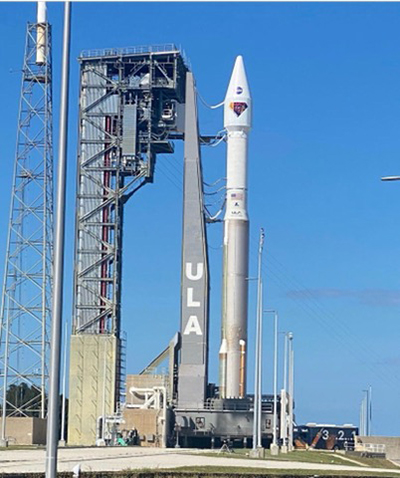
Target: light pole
<point>274,446</point>
<point>290,389</point>
<point>59,237</point>
<point>367,411</point>
<point>370,410</point>
<point>256,450</point>
<point>284,401</point>
<point>285,363</point>
<point>363,431</point>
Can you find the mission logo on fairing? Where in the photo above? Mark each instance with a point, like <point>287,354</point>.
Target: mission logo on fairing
<point>238,107</point>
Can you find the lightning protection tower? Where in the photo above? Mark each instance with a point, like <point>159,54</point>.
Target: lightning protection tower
<point>26,296</point>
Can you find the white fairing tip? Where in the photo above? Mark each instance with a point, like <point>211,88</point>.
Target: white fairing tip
<point>237,105</point>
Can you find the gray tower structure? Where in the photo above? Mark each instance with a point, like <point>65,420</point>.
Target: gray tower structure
<point>129,100</point>
<point>27,287</point>
<point>192,385</point>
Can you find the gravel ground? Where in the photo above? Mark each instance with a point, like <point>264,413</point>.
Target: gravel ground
<point>114,459</point>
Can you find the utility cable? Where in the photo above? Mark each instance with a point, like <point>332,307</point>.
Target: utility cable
<point>344,337</point>
<point>309,295</point>
<point>212,107</point>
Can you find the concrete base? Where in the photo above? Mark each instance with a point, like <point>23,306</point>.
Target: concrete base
<point>92,382</point>
<point>274,449</point>
<point>284,449</point>
<point>62,443</point>
<point>257,453</point>
<point>392,445</point>
<point>24,431</point>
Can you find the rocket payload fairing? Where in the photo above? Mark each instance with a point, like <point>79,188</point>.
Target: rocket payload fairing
<point>237,122</point>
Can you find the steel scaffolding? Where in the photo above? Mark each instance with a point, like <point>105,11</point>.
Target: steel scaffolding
<point>26,297</point>
<point>127,110</point>
<point>128,114</point>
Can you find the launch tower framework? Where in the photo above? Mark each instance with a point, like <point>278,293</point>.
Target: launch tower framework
<point>128,110</point>
<point>26,296</point>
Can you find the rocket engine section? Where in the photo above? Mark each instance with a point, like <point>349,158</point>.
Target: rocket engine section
<point>237,121</point>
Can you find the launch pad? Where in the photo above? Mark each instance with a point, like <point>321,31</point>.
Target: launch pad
<point>134,103</point>
<point>223,421</point>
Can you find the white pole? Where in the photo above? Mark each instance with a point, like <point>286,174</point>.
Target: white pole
<point>274,445</point>
<point>366,412</point>
<point>285,353</point>
<point>59,237</point>
<point>275,420</point>
<point>284,403</point>
<point>361,431</point>
<point>256,365</point>
<point>260,348</point>
<point>291,388</point>
<point>370,410</point>
<point>364,417</point>
<point>257,401</point>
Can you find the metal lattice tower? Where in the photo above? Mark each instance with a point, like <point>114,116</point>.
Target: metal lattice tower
<point>129,108</point>
<point>26,297</point>
<point>123,95</point>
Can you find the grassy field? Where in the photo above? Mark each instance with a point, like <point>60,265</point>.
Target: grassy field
<point>322,457</point>
<point>270,473</point>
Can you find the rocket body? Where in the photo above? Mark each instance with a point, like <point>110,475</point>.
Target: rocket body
<point>237,122</point>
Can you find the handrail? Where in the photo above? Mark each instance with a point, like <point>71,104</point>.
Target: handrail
<point>164,48</point>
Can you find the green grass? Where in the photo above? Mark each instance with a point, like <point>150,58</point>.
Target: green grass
<point>300,456</point>
<point>373,462</point>
<point>232,470</point>
<point>22,447</point>
<point>323,457</point>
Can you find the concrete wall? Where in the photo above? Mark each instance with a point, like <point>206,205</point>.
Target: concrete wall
<point>25,430</point>
<point>392,444</point>
<point>146,423</point>
<point>92,384</point>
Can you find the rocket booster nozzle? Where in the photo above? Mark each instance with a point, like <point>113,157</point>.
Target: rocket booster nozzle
<point>237,104</point>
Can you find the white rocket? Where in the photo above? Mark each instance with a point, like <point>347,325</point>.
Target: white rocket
<point>237,122</point>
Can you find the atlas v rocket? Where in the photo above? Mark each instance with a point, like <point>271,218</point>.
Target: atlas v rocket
<point>237,122</point>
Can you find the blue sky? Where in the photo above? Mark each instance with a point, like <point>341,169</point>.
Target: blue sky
<point>325,83</point>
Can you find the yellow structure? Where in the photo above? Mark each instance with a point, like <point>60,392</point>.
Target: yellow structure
<point>92,385</point>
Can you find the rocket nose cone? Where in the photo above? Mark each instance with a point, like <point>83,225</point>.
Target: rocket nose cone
<point>238,84</point>
<point>237,104</point>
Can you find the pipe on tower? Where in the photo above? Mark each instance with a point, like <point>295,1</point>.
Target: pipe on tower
<point>41,33</point>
